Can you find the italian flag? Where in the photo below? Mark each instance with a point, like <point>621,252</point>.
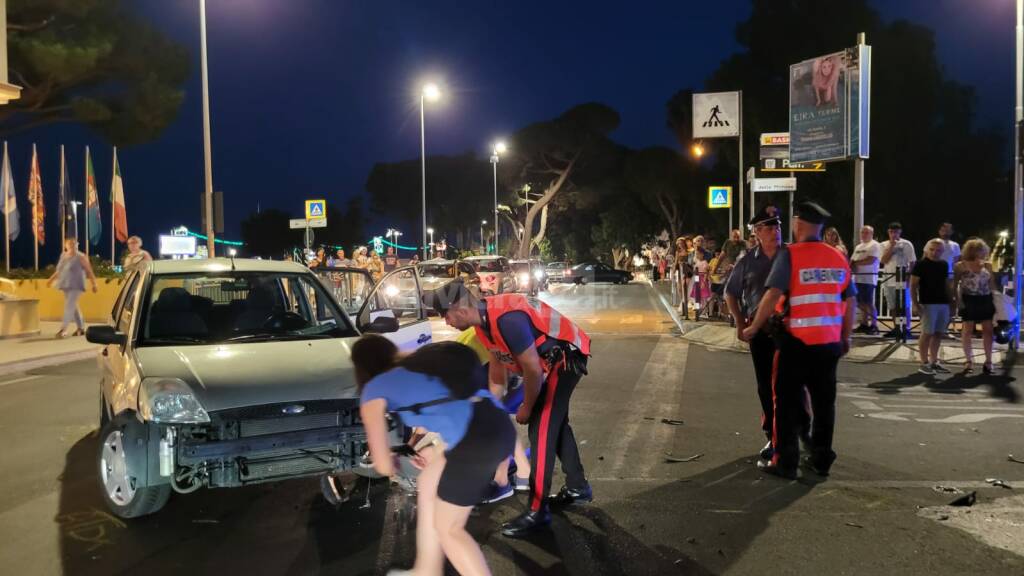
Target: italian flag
<point>117,199</point>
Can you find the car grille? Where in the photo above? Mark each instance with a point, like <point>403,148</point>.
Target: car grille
<point>262,426</point>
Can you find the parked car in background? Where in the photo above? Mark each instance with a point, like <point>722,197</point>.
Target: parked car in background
<point>494,272</point>
<point>597,272</point>
<point>557,271</point>
<point>438,272</point>
<point>222,373</point>
<point>530,276</point>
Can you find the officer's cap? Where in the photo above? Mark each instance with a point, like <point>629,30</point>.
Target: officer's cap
<point>811,212</point>
<point>763,216</point>
<point>447,296</point>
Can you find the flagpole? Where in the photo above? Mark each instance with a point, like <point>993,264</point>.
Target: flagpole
<point>61,210</point>
<point>112,226</point>
<point>7,216</point>
<point>87,203</point>
<point>35,211</point>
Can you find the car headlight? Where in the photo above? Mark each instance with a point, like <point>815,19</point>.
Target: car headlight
<point>538,274</point>
<point>524,278</point>
<point>170,401</point>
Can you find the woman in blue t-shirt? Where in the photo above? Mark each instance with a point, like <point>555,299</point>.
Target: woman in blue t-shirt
<point>439,388</point>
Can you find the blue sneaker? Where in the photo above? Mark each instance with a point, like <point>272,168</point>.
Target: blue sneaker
<point>498,493</point>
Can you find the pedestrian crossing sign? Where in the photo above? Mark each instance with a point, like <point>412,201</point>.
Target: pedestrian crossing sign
<point>316,209</point>
<point>719,196</point>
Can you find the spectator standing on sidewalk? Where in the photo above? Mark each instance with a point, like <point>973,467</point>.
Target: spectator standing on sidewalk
<point>833,239</point>
<point>897,253</point>
<point>136,256</point>
<point>733,247</point>
<point>931,291</point>
<point>865,275</point>
<point>72,269</point>
<point>375,266</point>
<point>974,282</point>
<point>950,249</point>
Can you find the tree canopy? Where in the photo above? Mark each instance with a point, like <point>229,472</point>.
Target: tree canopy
<point>91,62</point>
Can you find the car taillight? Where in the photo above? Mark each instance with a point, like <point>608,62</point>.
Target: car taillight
<point>569,272</point>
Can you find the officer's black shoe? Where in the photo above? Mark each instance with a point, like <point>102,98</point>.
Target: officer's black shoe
<point>767,452</point>
<point>776,470</point>
<point>567,496</point>
<point>819,467</point>
<point>527,523</point>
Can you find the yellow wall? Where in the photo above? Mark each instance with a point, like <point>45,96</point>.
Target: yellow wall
<point>95,307</point>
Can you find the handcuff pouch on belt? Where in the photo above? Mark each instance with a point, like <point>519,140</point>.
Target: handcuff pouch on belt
<point>572,359</point>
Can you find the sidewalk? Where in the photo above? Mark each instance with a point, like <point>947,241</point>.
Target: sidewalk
<point>865,348</point>
<point>21,354</point>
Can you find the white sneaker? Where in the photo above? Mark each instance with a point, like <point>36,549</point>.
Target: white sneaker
<point>926,368</point>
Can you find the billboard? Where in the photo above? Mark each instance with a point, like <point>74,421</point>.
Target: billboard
<point>716,115</point>
<point>177,245</point>
<point>829,106</point>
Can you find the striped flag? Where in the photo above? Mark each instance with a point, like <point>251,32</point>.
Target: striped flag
<point>35,197</point>
<point>92,202</point>
<point>117,199</point>
<point>10,200</point>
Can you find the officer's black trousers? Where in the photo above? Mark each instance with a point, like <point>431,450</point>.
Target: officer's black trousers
<point>762,352</point>
<point>551,435</point>
<point>798,365</point>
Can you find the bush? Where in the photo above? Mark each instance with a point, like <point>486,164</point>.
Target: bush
<point>100,267</point>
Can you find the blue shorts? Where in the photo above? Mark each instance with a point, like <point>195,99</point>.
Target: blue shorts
<point>934,318</point>
<point>865,294</point>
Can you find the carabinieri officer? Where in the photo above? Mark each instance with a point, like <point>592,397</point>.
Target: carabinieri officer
<point>809,285</point>
<point>743,292</point>
<point>530,338</point>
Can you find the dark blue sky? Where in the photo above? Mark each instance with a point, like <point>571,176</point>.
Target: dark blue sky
<point>307,94</point>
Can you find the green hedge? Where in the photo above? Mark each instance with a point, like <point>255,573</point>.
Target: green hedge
<point>100,267</point>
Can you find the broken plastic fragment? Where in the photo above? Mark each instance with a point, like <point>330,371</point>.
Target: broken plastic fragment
<point>671,422</point>
<point>672,459</point>
<point>999,483</point>
<point>966,500</point>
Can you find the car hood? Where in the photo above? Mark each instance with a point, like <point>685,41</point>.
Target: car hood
<point>232,376</point>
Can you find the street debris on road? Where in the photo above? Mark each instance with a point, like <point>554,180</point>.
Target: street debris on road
<point>671,422</point>
<point>947,489</point>
<point>858,415</point>
<point>966,500</point>
<point>673,459</point>
<point>854,525</point>
<point>999,483</point>
<point>1011,458</point>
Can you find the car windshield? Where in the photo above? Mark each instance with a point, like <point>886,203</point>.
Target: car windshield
<point>437,270</point>
<point>210,308</point>
<point>556,265</point>
<point>488,265</point>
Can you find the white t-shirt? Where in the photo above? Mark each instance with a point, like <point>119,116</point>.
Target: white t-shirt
<point>903,255</point>
<point>866,273</point>
<point>951,253</point>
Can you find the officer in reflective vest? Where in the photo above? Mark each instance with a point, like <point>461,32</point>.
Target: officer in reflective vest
<point>810,290</point>
<point>530,338</point>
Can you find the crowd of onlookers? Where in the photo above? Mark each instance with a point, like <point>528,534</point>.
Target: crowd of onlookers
<point>947,282</point>
<point>364,258</point>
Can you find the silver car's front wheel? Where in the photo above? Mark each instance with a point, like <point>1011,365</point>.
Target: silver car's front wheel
<point>119,486</point>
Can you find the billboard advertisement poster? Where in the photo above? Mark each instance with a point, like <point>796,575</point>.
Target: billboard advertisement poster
<point>818,108</point>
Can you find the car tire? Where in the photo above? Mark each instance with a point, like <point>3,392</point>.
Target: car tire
<point>583,281</point>
<point>116,479</point>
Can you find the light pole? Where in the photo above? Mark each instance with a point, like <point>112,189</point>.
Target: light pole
<point>431,232</point>
<point>1018,177</point>
<point>498,149</point>
<point>429,92</point>
<point>483,245</point>
<point>208,162</point>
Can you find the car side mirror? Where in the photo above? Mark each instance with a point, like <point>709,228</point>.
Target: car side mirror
<point>382,325</point>
<point>105,335</point>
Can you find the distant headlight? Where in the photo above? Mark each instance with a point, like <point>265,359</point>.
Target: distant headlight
<point>524,278</point>
<point>538,274</point>
<point>170,401</point>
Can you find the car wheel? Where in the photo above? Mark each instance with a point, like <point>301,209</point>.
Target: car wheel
<point>118,481</point>
<point>582,280</point>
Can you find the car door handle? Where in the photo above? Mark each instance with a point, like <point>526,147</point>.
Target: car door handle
<point>423,339</point>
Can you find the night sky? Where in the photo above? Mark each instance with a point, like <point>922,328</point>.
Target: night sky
<point>307,94</point>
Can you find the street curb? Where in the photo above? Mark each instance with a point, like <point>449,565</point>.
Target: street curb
<point>668,308</point>
<point>43,361</point>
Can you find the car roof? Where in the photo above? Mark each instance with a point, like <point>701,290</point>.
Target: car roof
<point>223,264</point>
<point>437,261</point>
<point>483,257</point>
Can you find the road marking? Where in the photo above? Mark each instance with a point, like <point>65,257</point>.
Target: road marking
<point>866,405</point>
<point>968,418</point>
<point>951,407</point>
<point>16,380</point>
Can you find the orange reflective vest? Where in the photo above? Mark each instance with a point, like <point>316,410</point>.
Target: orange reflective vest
<point>544,318</point>
<point>818,276</point>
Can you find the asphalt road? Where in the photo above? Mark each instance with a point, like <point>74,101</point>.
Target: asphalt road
<point>898,437</point>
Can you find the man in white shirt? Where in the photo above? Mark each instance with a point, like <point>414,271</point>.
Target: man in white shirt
<point>897,252</point>
<point>951,251</point>
<point>865,275</point>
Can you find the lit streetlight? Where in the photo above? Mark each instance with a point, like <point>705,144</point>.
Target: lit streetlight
<point>483,245</point>
<point>697,150</point>
<point>498,149</point>
<point>432,93</point>
<point>431,232</point>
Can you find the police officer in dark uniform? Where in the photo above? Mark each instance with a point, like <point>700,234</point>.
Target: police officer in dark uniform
<point>810,291</point>
<point>743,292</point>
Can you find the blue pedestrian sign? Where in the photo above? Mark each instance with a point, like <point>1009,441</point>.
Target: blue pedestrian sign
<point>719,196</point>
<point>316,209</point>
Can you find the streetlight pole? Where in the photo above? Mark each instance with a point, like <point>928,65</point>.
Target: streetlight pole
<point>499,148</point>
<point>483,245</point>
<point>1018,177</point>
<point>428,92</point>
<point>208,194</point>
<point>431,232</point>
